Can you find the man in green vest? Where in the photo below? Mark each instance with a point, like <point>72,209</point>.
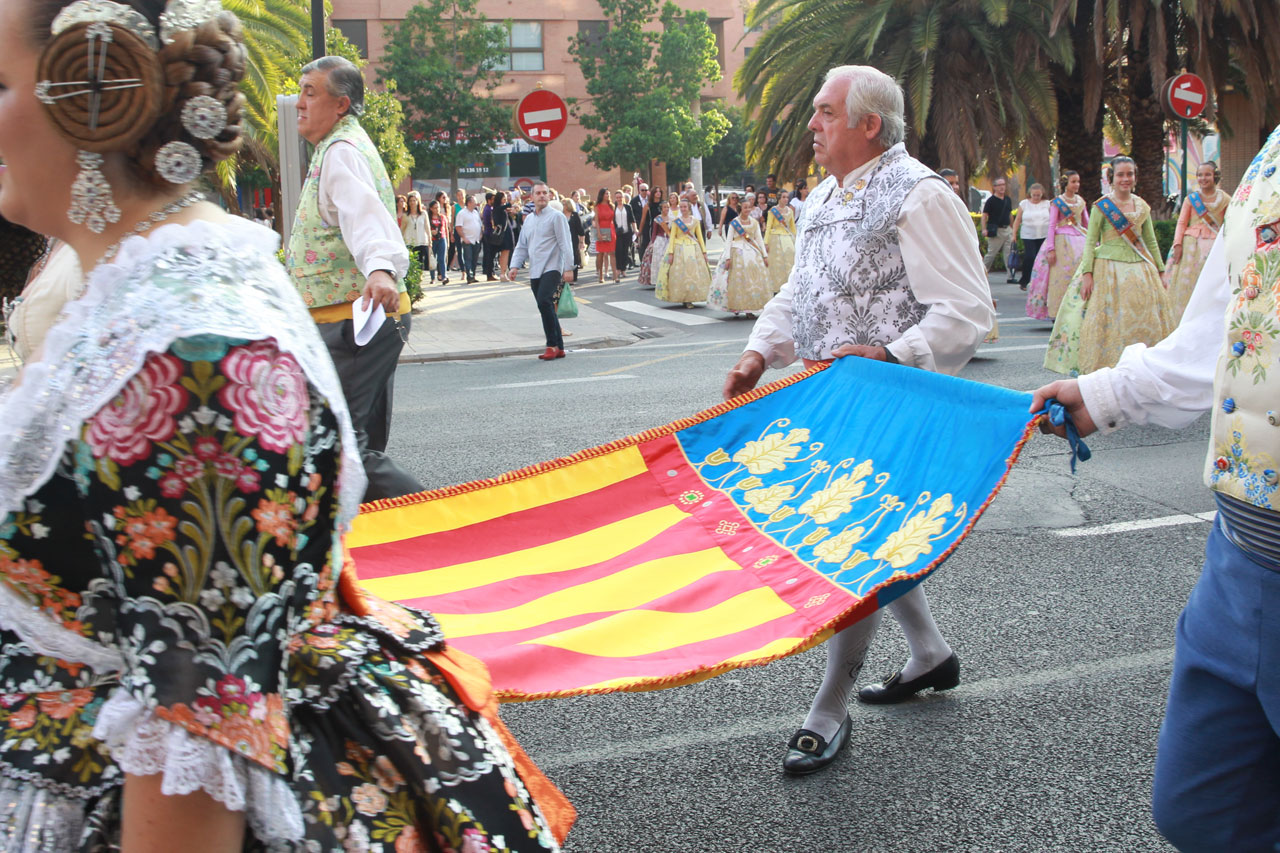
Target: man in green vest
<point>345,246</point>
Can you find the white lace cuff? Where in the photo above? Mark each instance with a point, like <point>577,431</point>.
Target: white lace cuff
<point>143,744</point>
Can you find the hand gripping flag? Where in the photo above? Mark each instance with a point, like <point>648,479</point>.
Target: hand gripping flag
<point>749,532</point>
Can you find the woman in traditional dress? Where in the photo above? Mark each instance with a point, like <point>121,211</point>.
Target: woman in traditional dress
<point>1060,254</point>
<point>684,276</point>
<point>656,219</point>
<point>780,240</point>
<point>189,663</point>
<point>606,237</point>
<point>1116,297</point>
<point>741,283</point>
<point>1198,224</point>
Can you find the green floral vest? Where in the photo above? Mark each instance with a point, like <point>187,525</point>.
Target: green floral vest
<point>1244,449</point>
<point>323,268</point>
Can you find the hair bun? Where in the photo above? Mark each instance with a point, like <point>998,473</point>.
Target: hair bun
<point>124,114</point>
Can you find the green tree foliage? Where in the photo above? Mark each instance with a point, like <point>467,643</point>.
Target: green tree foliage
<point>383,117</point>
<point>444,60</point>
<point>642,84</point>
<point>728,158</point>
<point>277,40</point>
<point>975,74</point>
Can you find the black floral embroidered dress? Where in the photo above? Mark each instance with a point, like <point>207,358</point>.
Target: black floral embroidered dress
<point>188,534</point>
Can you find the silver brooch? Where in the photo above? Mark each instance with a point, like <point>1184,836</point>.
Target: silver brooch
<point>179,15</point>
<point>91,201</point>
<point>204,117</point>
<point>178,162</point>
<point>105,12</point>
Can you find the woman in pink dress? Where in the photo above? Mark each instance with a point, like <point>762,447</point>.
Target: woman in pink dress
<point>1061,251</point>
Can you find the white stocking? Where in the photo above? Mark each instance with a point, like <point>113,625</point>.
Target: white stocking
<point>845,653</point>
<point>928,648</point>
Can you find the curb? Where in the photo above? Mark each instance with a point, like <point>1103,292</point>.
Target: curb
<point>598,342</point>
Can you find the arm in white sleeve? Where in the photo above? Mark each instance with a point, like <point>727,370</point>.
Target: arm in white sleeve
<point>349,200</point>
<point>1171,383</point>
<point>944,270</point>
<point>772,335</point>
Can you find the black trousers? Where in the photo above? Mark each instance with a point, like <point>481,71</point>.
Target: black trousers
<point>1030,248</point>
<point>622,251</point>
<point>368,376</point>
<point>544,288</point>
<point>489,252</point>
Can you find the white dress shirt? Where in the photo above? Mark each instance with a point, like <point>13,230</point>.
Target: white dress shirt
<point>1171,383</point>
<point>468,221</point>
<point>367,228</point>
<point>944,269</point>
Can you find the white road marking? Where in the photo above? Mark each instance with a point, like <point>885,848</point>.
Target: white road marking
<point>552,382</point>
<point>782,724</point>
<point>983,350</point>
<point>671,315</point>
<point>1139,524</point>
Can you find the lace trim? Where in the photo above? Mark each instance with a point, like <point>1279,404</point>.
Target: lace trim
<point>177,281</point>
<point>47,636</point>
<point>143,744</point>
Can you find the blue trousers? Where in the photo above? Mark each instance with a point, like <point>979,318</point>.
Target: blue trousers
<point>1217,779</point>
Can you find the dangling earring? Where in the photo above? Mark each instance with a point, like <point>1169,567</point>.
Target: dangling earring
<point>91,201</point>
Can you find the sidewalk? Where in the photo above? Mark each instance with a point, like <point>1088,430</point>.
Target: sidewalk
<point>489,320</point>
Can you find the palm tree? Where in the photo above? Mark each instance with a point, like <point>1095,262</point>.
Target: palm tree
<point>975,74</point>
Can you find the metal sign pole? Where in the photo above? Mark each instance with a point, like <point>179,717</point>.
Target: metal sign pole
<point>1183,122</point>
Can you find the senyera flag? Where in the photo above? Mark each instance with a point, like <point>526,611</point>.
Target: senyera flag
<point>746,533</point>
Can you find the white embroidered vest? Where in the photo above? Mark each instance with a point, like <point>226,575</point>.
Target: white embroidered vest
<point>849,285</point>
<point>1244,443</point>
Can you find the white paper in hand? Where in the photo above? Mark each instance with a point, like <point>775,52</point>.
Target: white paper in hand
<point>366,322</point>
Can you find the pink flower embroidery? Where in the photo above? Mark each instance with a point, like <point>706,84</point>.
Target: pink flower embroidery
<point>267,390</point>
<point>124,429</point>
<point>311,256</point>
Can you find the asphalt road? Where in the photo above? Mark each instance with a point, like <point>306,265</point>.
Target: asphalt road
<point>1065,640</point>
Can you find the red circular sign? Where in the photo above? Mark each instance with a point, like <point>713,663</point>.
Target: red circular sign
<point>542,116</point>
<point>1186,96</point>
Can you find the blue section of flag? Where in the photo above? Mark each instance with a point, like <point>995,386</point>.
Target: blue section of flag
<point>867,471</point>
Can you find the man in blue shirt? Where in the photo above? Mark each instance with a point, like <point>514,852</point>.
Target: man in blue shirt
<point>544,243</point>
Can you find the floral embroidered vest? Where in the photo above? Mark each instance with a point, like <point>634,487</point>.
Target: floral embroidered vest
<point>849,285</point>
<point>323,268</point>
<point>1244,449</point>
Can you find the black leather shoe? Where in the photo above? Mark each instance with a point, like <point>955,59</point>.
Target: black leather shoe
<point>893,689</point>
<point>808,752</point>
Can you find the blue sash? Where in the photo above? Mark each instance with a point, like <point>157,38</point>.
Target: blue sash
<point>737,226</point>
<point>1064,209</point>
<point>1198,205</point>
<point>1123,226</point>
<point>685,228</point>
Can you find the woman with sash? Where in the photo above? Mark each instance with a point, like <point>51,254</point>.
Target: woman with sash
<point>653,218</point>
<point>684,276</point>
<point>780,240</point>
<point>1198,225</point>
<point>1116,297</point>
<point>741,283</point>
<point>1060,254</point>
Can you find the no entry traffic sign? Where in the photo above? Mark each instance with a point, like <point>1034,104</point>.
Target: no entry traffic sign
<point>542,116</point>
<point>1186,96</point>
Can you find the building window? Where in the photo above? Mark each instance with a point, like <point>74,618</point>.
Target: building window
<point>746,51</point>
<point>716,25</point>
<point>524,46</point>
<point>591,33</point>
<point>746,23</point>
<point>356,31</point>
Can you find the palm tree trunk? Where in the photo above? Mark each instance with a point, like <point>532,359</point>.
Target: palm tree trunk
<point>1079,149</point>
<point>1146,121</point>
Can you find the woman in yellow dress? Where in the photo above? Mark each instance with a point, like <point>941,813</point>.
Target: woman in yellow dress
<point>1116,297</point>
<point>741,283</point>
<point>780,240</point>
<point>1198,224</point>
<point>684,277</point>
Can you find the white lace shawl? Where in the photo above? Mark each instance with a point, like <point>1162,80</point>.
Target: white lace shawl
<point>176,282</point>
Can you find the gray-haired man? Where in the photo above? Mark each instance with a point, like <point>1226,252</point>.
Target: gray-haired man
<point>886,268</point>
<point>544,243</point>
<point>344,247</point>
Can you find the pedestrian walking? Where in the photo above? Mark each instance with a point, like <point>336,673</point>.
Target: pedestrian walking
<point>741,281</point>
<point>605,232</point>
<point>1217,781</point>
<point>780,240</point>
<point>1198,226</point>
<point>1031,224</point>
<point>996,223</point>
<point>729,213</point>
<point>468,229</point>
<point>501,231</point>
<point>887,267</point>
<point>414,229</point>
<point>1061,252</point>
<point>332,266</point>
<point>624,233</point>
<point>1116,297</point>
<point>684,276</point>
<point>544,244</point>
<point>653,227</point>
<point>640,241</point>
<point>455,245</point>
<point>577,231</point>
<point>438,224</point>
